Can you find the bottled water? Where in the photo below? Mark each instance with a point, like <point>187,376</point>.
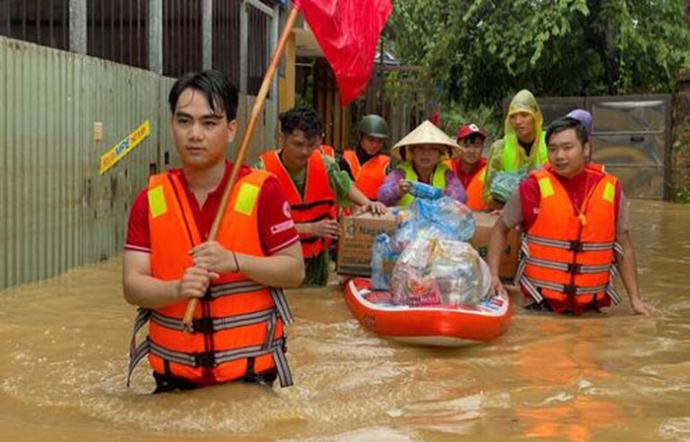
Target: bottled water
<point>421,190</point>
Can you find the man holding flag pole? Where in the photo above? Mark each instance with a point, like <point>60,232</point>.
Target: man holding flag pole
<point>195,338</point>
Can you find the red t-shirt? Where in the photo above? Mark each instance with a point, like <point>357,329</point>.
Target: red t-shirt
<point>276,227</point>
<point>464,177</point>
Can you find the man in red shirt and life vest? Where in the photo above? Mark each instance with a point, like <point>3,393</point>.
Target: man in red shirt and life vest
<point>238,329</point>
<point>575,219</point>
<point>314,185</point>
<point>470,167</point>
<point>366,164</point>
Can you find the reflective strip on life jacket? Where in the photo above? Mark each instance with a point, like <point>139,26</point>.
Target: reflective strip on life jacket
<point>318,201</point>
<point>609,289</point>
<point>276,349</point>
<point>230,288</point>
<point>137,353</point>
<point>438,179</point>
<point>568,288</point>
<point>531,285</point>
<point>216,324</point>
<point>571,268</point>
<point>575,246</point>
<point>270,315</point>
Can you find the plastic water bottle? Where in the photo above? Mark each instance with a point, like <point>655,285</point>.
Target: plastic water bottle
<point>421,190</point>
<point>382,246</point>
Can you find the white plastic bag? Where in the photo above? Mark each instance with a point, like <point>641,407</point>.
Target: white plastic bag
<point>440,272</point>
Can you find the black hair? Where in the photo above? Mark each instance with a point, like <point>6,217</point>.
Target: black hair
<point>301,118</point>
<point>566,123</point>
<point>219,91</point>
<point>472,138</point>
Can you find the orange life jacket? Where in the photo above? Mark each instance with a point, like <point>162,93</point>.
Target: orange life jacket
<point>238,325</point>
<point>318,201</point>
<point>474,188</point>
<point>569,257</point>
<point>370,175</point>
<point>327,150</point>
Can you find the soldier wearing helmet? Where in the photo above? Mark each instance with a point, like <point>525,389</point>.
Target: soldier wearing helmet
<point>366,164</point>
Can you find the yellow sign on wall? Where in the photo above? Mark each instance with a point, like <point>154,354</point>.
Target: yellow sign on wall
<point>121,149</point>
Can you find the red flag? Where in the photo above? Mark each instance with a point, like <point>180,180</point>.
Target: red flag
<point>347,31</point>
<point>436,119</point>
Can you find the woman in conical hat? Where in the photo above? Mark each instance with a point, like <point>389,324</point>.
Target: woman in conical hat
<point>421,154</point>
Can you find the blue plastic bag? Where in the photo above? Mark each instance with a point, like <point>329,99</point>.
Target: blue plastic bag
<point>443,218</point>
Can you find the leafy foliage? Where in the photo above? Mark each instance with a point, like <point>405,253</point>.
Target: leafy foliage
<point>480,51</point>
<point>483,115</point>
<point>683,195</point>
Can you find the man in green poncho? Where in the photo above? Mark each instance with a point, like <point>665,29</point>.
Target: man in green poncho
<point>521,150</point>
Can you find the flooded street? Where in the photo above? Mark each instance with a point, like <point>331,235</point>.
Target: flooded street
<point>600,377</point>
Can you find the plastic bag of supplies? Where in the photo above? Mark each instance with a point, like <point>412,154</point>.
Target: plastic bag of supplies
<point>439,272</point>
<point>505,183</point>
<point>443,218</point>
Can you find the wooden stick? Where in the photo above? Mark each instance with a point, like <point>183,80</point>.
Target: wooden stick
<point>253,118</point>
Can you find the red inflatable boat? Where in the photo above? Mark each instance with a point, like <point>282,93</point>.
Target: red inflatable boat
<point>448,326</point>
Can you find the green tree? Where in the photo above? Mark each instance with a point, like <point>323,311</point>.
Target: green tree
<point>480,51</point>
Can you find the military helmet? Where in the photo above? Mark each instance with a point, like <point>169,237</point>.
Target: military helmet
<point>374,126</point>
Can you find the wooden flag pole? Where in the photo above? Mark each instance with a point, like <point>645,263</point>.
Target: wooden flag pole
<point>241,153</point>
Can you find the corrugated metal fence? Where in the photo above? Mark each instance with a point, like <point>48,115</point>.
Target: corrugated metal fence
<point>56,211</point>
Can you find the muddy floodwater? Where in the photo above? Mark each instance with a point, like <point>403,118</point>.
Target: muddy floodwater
<point>607,376</point>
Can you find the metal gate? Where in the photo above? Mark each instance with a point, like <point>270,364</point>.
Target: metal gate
<point>401,95</point>
<point>631,136</point>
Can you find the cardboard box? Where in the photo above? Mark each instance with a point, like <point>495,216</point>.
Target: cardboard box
<point>357,239</point>
<point>480,241</point>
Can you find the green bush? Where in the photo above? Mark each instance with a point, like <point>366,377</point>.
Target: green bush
<point>683,195</point>
<point>488,118</point>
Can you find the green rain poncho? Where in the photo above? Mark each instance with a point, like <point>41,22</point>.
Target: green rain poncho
<point>507,156</point>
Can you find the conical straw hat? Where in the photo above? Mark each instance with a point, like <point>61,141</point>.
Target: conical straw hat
<point>425,133</point>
